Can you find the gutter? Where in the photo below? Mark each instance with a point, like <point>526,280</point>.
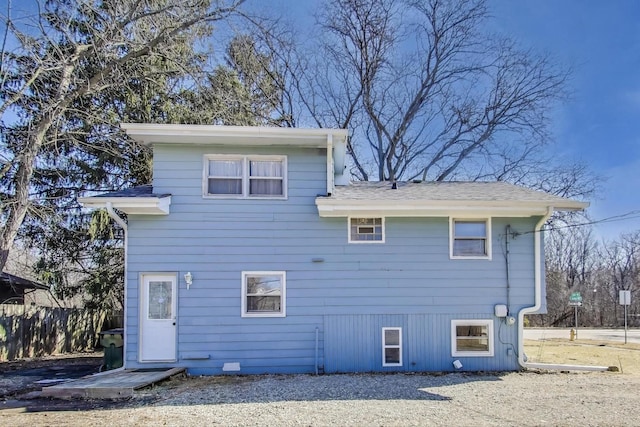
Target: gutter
<point>537,304</point>
<point>122,224</point>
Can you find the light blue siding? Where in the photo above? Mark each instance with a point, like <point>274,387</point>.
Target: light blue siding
<point>347,291</point>
<point>353,343</point>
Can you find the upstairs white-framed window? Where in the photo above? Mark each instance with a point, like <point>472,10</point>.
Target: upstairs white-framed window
<point>472,338</point>
<point>238,176</point>
<point>391,346</point>
<point>264,293</point>
<point>366,230</point>
<point>470,238</point>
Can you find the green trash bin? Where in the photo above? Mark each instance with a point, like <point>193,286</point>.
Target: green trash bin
<point>113,342</point>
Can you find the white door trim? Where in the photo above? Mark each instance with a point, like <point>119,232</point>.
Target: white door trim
<point>157,338</point>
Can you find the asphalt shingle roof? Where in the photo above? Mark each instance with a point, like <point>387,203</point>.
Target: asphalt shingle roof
<point>139,191</point>
<point>443,191</point>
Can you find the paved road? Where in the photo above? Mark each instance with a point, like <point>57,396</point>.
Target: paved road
<point>633,335</point>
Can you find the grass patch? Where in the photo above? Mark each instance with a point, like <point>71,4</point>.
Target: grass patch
<point>585,352</point>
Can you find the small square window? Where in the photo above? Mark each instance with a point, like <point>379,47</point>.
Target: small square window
<point>391,346</point>
<point>470,238</point>
<point>471,338</point>
<point>366,230</point>
<point>263,293</point>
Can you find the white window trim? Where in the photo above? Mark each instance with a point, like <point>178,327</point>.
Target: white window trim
<point>471,322</point>
<point>349,237</point>
<point>386,346</point>
<point>245,176</point>
<point>283,296</point>
<point>452,221</point>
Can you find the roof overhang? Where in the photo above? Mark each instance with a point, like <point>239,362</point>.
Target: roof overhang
<point>17,282</point>
<point>130,205</point>
<point>149,134</point>
<point>332,208</point>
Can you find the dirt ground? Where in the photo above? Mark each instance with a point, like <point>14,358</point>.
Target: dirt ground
<point>19,382</point>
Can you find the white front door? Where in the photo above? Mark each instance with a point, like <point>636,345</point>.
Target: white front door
<point>158,318</point>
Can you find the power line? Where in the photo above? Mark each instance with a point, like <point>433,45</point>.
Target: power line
<point>622,217</point>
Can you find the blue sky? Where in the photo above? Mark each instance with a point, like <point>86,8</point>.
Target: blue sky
<point>600,124</point>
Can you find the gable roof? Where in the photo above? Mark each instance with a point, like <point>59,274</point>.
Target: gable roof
<point>136,200</point>
<point>440,199</point>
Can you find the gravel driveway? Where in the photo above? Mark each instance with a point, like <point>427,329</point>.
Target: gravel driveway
<point>523,399</point>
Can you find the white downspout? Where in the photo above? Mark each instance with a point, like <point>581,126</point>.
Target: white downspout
<point>122,224</point>
<point>537,274</point>
<point>329,164</point>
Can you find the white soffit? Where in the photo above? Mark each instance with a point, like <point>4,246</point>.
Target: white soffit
<point>150,134</point>
<point>342,208</point>
<point>131,205</point>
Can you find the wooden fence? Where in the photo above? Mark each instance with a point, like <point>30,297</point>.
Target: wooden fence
<point>35,332</point>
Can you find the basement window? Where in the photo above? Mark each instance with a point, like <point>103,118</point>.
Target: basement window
<point>391,346</point>
<point>471,338</point>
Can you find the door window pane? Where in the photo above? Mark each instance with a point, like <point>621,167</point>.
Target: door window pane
<point>160,294</point>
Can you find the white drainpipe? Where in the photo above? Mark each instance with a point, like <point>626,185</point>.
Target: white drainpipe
<point>122,224</point>
<point>329,164</point>
<point>538,303</point>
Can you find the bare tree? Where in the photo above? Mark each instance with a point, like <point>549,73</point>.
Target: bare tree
<point>571,262</point>
<point>76,49</point>
<point>426,92</point>
<point>621,265</point>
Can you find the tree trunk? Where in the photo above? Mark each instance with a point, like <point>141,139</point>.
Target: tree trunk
<point>20,203</point>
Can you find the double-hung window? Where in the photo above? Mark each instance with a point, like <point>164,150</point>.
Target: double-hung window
<point>366,230</point>
<point>391,346</point>
<point>238,176</point>
<point>470,238</point>
<point>471,338</point>
<point>263,294</point>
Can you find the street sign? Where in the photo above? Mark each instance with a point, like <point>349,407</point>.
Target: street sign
<point>625,300</point>
<point>625,297</point>
<point>575,299</point>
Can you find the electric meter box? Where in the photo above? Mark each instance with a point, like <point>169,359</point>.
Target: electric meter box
<point>500,310</point>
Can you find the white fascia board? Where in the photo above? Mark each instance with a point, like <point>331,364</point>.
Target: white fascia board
<point>333,208</point>
<point>130,205</point>
<point>147,133</point>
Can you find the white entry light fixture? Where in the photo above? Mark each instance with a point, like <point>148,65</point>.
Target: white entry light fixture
<point>188,278</point>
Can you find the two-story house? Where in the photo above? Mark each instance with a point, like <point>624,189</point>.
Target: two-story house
<point>252,253</point>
